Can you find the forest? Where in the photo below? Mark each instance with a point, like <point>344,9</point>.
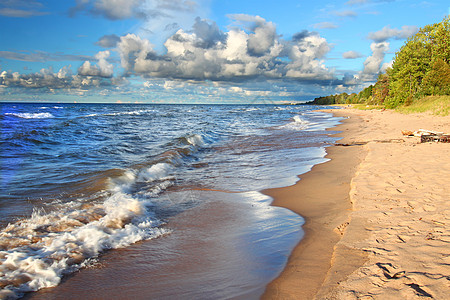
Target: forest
<point>421,68</point>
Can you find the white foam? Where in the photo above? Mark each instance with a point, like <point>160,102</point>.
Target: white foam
<point>31,115</point>
<point>155,172</point>
<point>251,109</point>
<point>134,113</point>
<point>125,183</point>
<point>196,140</point>
<point>297,124</point>
<point>38,251</point>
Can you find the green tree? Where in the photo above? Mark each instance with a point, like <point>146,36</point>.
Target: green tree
<point>380,89</point>
<point>414,60</point>
<point>437,80</point>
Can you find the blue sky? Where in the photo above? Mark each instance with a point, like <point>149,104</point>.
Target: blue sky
<point>200,51</point>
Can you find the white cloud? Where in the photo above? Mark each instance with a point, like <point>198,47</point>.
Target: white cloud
<point>104,68</point>
<point>392,33</point>
<point>49,80</point>
<point>165,17</point>
<point>386,66</point>
<point>351,55</point>
<point>249,49</point>
<point>64,72</point>
<point>372,65</point>
<point>132,50</point>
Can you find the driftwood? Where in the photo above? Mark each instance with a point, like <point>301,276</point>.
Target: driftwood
<point>428,135</point>
<point>441,138</point>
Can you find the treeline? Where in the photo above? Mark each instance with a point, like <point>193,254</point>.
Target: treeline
<point>420,68</point>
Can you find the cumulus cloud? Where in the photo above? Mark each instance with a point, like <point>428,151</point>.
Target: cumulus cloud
<point>21,8</point>
<point>49,80</point>
<point>392,33</point>
<point>250,49</point>
<point>263,33</point>
<point>372,65</point>
<point>103,69</point>
<point>108,41</point>
<point>351,55</point>
<point>386,66</point>
<point>89,76</point>
<point>300,36</point>
<point>209,34</point>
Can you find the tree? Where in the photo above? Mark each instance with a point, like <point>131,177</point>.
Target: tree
<point>437,80</point>
<point>380,89</point>
<point>414,60</point>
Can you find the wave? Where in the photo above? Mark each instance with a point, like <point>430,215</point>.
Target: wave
<point>37,252</point>
<point>122,113</point>
<point>298,123</point>
<point>54,107</point>
<point>31,115</point>
<point>196,140</point>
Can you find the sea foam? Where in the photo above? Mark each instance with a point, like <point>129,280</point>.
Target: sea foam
<point>35,253</point>
<point>44,115</point>
<point>297,123</point>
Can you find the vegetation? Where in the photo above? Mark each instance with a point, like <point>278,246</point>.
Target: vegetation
<point>437,105</point>
<point>421,68</point>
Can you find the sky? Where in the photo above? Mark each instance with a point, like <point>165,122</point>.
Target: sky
<point>200,51</point>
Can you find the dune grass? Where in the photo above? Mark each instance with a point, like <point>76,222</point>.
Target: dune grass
<point>436,105</point>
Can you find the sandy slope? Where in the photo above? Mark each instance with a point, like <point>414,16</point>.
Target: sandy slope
<point>400,221</point>
<point>377,214</point>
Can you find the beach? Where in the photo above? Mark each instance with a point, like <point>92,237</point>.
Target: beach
<point>376,214</point>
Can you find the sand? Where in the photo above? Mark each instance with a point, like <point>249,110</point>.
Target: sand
<point>377,214</point>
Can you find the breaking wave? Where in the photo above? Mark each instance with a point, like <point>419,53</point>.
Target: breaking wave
<point>297,123</point>
<point>37,252</point>
<point>44,115</point>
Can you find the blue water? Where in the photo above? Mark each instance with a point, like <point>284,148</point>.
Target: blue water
<point>78,180</point>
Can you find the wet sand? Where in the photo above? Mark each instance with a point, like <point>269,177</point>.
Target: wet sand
<point>228,247</point>
<point>376,215</point>
<point>322,198</point>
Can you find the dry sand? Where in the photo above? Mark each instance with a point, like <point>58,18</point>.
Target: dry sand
<point>377,215</point>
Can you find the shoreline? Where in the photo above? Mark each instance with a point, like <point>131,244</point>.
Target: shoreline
<point>323,211</point>
<point>377,214</point>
